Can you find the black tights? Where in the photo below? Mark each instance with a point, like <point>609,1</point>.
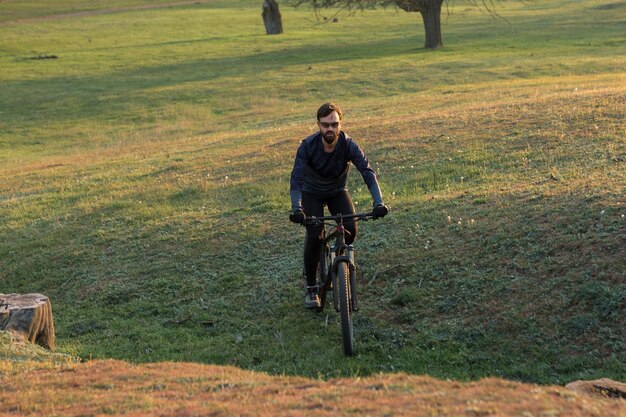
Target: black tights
<point>314,206</point>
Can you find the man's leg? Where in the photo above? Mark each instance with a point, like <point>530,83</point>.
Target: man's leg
<point>342,203</point>
<point>312,247</point>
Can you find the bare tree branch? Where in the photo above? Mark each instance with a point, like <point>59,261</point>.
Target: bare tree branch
<point>430,11</point>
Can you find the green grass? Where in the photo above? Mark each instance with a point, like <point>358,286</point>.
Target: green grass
<point>145,185</point>
<point>17,356</point>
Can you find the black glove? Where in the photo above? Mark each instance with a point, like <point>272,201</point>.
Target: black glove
<point>380,211</point>
<point>297,217</point>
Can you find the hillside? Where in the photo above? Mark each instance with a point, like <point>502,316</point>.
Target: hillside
<point>144,179</point>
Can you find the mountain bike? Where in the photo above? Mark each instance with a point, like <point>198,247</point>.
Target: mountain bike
<point>337,270</point>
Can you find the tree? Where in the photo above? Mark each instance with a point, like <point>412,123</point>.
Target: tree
<point>429,9</point>
<point>272,18</point>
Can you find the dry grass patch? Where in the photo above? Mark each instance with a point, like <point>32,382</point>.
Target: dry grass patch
<point>184,389</point>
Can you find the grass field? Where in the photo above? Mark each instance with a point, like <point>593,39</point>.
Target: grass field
<point>145,173</point>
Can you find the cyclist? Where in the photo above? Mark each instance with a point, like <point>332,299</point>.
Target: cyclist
<point>319,177</point>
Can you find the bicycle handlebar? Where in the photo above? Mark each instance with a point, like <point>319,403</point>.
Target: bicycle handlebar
<point>357,216</point>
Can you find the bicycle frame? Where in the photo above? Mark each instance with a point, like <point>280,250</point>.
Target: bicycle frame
<point>340,253</point>
<point>337,267</point>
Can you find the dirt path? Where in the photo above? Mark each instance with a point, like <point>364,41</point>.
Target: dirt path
<point>186,389</point>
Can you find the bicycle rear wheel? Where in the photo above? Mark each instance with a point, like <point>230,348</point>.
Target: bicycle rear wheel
<point>325,275</point>
<point>343,282</point>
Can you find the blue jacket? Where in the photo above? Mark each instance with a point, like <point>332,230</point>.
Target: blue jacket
<point>324,174</point>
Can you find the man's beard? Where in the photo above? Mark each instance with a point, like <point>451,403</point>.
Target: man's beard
<point>330,137</point>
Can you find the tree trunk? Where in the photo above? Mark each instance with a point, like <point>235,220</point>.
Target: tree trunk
<point>272,18</point>
<point>431,15</point>
<point>29,317</point>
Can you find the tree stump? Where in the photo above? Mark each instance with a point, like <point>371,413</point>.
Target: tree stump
<point>603,388</point>
<point>272,18</point>
<point>29,317</point>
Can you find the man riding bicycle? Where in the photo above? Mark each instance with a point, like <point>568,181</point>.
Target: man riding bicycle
<point>319,177</point>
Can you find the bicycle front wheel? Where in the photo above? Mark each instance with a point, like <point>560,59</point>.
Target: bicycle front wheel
<point>343,281</point>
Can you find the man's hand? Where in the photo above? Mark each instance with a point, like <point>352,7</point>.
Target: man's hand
<point>297,217</point>
<point>380,211</point>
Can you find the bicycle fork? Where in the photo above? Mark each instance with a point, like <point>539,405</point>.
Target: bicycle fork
<point>349,260</point>
<point>353,303</point>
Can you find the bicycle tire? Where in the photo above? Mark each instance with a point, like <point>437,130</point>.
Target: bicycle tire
<point>347,331</point>
<point>325,277</point>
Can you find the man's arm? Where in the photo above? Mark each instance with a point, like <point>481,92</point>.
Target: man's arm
<point>358,158</point>
<point>295,184</point>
